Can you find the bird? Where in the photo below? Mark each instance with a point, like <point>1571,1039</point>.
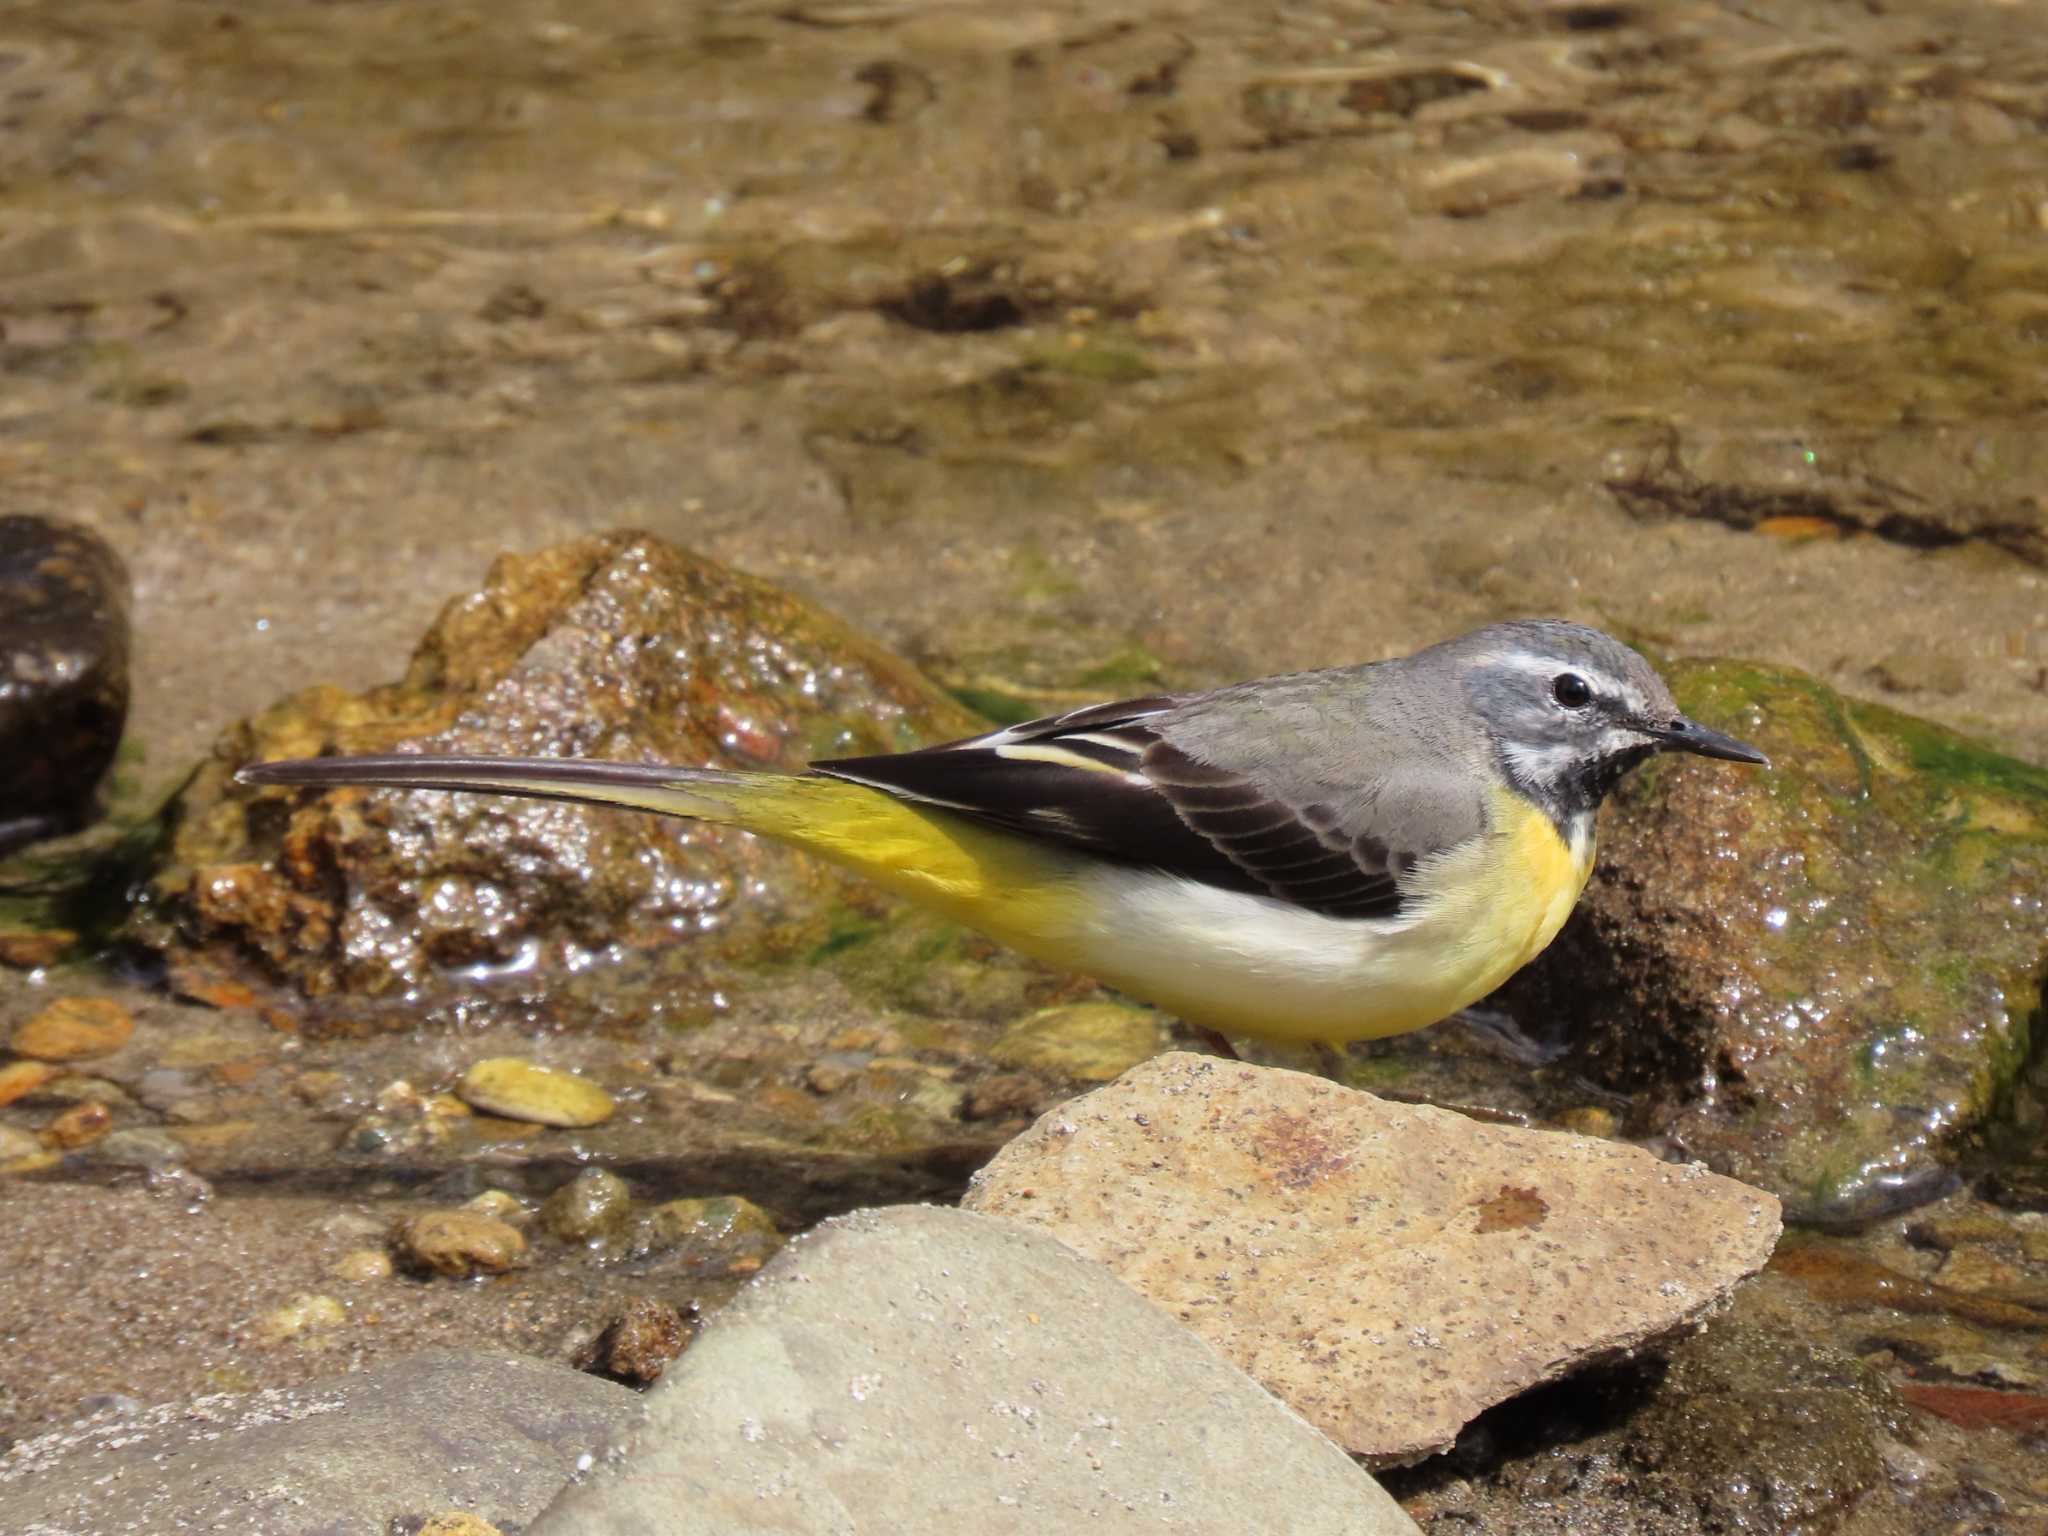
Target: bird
<point>1316,858</point>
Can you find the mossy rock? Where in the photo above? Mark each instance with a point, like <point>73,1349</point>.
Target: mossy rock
<point>620,647</point>
<point>1822,977</point>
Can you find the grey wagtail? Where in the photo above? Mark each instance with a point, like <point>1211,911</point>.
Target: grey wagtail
<point>1322,857</point>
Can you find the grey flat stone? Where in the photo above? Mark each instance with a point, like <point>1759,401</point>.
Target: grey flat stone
<point>926,1372</point>
<point>494,1433</point>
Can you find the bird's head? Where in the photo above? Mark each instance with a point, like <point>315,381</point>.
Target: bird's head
<point>1570,710</point>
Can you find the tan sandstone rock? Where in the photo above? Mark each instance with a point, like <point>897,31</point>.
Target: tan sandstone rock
<point>1386,1269</point>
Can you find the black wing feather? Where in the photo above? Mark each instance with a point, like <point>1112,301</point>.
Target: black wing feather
<point>1135,797</point>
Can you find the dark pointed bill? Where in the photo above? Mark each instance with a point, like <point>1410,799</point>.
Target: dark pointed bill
<point>1683,735</point>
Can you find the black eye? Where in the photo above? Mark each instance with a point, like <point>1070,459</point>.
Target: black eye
<point>1571,690</point>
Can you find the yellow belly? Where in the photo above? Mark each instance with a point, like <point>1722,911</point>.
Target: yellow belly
<point>1248,966</point>
<point>1237,963</point>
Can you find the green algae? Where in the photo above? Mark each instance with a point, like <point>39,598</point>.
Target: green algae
<point>1833,968</point>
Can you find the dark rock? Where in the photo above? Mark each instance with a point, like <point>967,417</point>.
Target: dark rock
<point>63,673</point>
<point>1746,1427</point>
<point>1815,978</point>
<point>617,647</point>
<point>488,1431</point>
<point>635,1347</point>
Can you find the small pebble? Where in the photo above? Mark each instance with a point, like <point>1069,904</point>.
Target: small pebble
<point>589,1208</point>
<point>724,1235</point>
<point>828,1077</point>
<point>30,949</point>
<point>459,1243</point>
<point>1971,1268</point>
<point>458,1522</point>
<point>18,1079</point>
<point>637,1345</point>
<point>520,1089</point>
<point>362,1265</point>
<point>1006,1096</point>
<point>499,1203</point>
<point>73,1029</point>
<point>1590,1120</point>
<point>79,1126</point>
<point>302,1315</point>
<point>139,1148</point>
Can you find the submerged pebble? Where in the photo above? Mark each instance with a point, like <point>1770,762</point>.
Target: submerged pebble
<point>724,1235</point>
<point>15,1142</point>
<point>520,1089</point>
<point>459,1243</point>
<point>458,1522</point>
<point>79,1126</point>
<point>302,1315</point>
<point>21,1078</point>
<point>362,1265</point>
<point>591,1207</point>
<point>73,1029</point>
<point>1093,1042</point>
<point>499,1204</point>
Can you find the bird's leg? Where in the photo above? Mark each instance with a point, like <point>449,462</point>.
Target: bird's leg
<point>1216,1044</point>
<point>1498,1034</point>
<point>1330,1062</point>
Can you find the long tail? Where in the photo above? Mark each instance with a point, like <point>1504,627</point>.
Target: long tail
<point>706,794</point>
<point>1012,887</point>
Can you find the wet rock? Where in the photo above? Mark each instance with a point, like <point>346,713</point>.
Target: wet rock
<point>636,1346</point>
<point>494,1432</point>
<point>1851,1280</point>
<point>618,647</point>
<point>63,673</point>
<point>1748,1426</point>
<point>459,1243</point>
<point>73,1029</point>
<point>1386,1270</point>
<point>1092,1042</point>
<point>523,1090</point>
<point>723,1235</point>
<point>1978,1408</point>
<point>915,1337</point>
<point>139,1147</point>
<point>1818,977</point>
<point>593,1206</point>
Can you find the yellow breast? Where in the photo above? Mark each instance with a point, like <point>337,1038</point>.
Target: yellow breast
<point>1542,875</point>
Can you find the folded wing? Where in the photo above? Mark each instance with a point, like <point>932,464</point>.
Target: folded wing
<point>1110,779</point>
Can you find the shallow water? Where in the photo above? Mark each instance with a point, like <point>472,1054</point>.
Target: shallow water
<point>1213,339</point>
<point>1071,348</point>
